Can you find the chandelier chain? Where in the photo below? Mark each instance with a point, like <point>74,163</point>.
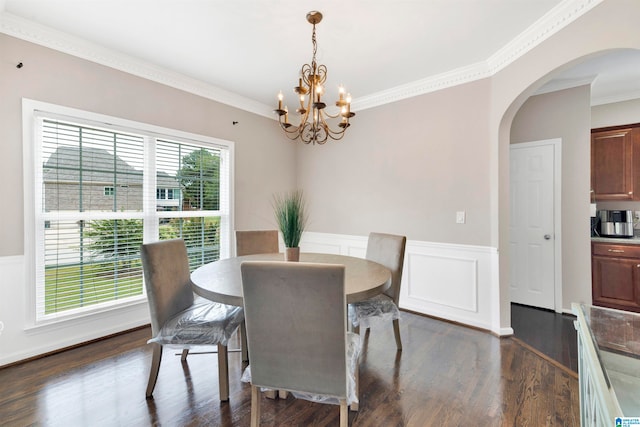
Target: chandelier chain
<point>315,47</point>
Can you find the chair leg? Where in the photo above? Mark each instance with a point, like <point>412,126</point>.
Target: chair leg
<point>396,331</point>
<point>243,341</point>
<point>155,367</point>
<point>223,372</point>
<point>185,352</point>
<point>255,406</point>
<point>344,413</point>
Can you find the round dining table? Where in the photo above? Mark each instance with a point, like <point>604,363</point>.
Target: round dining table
<point>221,281</point>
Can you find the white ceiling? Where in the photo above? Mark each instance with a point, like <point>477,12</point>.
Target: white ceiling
<point>378,49</point>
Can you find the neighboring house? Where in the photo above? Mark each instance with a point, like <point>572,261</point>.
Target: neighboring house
<point>104,182</point>
<point>112,183</point>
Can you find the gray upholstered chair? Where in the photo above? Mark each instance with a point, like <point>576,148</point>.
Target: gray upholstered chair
<point>297,333</point>
<point>178,319</point>
<point>251,242</point>
<point>388,250</point>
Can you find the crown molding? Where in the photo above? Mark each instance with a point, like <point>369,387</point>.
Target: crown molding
<point>549,24</point>
<point>452,78</point>
<point>552,22</point>
<point>45,36</point>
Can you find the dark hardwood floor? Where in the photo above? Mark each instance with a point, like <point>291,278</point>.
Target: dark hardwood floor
<point>548,332</point>
<point>447,375</point>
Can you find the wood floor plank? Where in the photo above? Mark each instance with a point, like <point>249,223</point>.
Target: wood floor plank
<point>446,375</point>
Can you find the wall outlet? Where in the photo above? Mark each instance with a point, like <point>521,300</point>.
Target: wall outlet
<point>461,217</point>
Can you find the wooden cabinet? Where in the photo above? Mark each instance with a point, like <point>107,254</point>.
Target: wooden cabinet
<point>615,163</point>
<point>615,270</point>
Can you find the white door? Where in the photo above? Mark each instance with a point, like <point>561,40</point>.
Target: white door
<point>532,246</point>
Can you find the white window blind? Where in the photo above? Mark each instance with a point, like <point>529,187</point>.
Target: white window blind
<point>197,220</point>
<point>87,240</point>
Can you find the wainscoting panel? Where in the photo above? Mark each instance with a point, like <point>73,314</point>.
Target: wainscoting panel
<point>340,244</point>
<point>452,282</point>
<point>444,280</point>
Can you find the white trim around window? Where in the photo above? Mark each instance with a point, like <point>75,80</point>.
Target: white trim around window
<point>33,112</point>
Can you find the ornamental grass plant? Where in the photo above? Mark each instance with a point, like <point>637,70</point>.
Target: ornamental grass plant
<point>289,210</point>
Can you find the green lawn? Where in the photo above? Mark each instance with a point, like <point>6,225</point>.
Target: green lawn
<point>72,287</point>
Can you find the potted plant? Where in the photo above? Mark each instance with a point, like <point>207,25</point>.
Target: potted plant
<point>289,210</point>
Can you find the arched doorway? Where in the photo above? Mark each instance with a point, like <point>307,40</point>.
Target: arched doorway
<point>576,274</point>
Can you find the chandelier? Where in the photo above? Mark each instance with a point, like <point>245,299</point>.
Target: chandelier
<point>313,126</point>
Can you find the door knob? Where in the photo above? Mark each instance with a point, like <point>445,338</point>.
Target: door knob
<point>547,236</point>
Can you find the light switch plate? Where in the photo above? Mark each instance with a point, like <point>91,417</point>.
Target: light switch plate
<point>460,217</point>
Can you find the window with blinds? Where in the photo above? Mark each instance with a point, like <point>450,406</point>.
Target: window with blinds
<point>100,192</point>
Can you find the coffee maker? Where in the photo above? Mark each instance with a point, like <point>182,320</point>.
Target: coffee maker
<point>615,223</point>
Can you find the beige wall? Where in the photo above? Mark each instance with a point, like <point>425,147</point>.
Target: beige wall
<point>57,78</point>
<point>617,113</point>
<point>566,115</point>
<point>406,168</point>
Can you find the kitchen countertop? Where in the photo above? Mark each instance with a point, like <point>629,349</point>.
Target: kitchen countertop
<point>615,336</point>
<point>618,240</point>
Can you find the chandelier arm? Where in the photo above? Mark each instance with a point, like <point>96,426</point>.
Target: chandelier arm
<point>333,134</point>
<point>330,131</point>
<point>337,137</point>
<point>321,71</point>
<point>333,116</point>
<point>305,72</point>
<point>292,134</point>
<point>290,131</point>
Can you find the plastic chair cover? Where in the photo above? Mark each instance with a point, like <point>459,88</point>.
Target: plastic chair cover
<point>203,323</point>
<point>353,354</point>
<point>380,306</point>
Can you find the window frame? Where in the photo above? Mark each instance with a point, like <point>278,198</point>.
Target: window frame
<point>32,110</point>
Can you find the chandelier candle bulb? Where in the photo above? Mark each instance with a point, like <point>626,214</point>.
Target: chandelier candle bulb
<point>280,97</point>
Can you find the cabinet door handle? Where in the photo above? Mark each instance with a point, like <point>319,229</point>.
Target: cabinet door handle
<point>618,251</point>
